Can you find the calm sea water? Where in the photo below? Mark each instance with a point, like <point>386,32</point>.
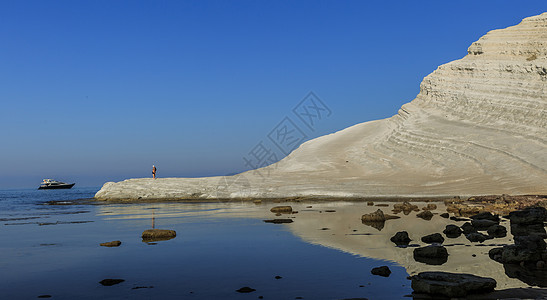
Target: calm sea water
<point>54,250</point>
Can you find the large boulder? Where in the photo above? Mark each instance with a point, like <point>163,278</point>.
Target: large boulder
<point>467,228</point>
<point>476,237</point>
<point>451,284</point>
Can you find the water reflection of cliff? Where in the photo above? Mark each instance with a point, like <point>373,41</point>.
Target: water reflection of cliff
<point>347,233</point>
<point>341,230</point>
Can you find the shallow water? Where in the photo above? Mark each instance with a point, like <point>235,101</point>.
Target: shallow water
<point>326,253</point>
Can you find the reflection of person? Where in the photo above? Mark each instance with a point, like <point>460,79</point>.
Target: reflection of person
<point>154,171</point>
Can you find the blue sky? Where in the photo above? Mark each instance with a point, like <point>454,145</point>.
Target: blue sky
<point>96,91</point>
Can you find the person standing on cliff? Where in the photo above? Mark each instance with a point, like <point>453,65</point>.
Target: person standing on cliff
<point>154,171</point>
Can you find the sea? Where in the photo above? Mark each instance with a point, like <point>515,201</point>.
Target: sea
<point>53,251</point>
<point>51,248</point>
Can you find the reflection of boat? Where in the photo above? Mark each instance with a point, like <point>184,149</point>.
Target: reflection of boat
<point>48,184</point>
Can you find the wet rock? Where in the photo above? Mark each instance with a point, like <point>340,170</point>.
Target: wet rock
<point>245,289</point>
<point>377,216</point>
<point>486,216</point>
<point>445,215</point>
<point>401,238</point>
<point>431,255</point>
<point>282,209</point>
<point>496,254</point>
<point>44,296</point>
<point>433,238</point>
<point>458,219</point>
<point>476,237</point>
<point>257,201</point>
<point>527,216</point>
<point>154,235</point>
<point>383,205</point>
<point>381,271</point>
<point>451,284</point>
<point>497,231</point>
<point>426,215</point>
<point>111,282</point>
<point>530,242</point>
<point>483,224</point>
<point>452,231</point>
<point>430,206</point>
<point>527,229</point>
<point>330,210</point>
<point>278,277</point>
<point>467,228</point>
<point>405,207</point>
<point>528,274</point>
<point>111,244</point>
<point>370,203</point>
<point>279,221</point>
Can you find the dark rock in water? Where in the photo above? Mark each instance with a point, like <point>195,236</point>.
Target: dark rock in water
<point>497,231</point>
<point>527,249</point>
<point>481,224</point>
<point>476,237</point>
<point>245,289</point>
<point>381,271</point>
<point>523,229</point>
<point>330,210</point>
<point>111,244</point>
<point>401,238</point>
<point>111,282</point>
<point>377,216</point>
<point>496,254</point>
<point>451,284</point>
<point>279,221</point>
<point>426,215</point>
<point>445,215</point>
<point>452,231</point>
<point>433,238</point>
<point>44,296</point>
<point>530,215</point>
<point>486,216</point>
<point>431,255</point>
<point>529,275</point>
<point>282,209</point>
<point>370,203</point>
<point>530,242</point>
<point>154,235</point>
<point>458,219</point>
<point>467,228</point>
<point>142,287</point>
<point>382,205</point>
<point>278,277</point>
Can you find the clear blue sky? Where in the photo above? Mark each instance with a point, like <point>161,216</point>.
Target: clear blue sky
<point>96,91</point>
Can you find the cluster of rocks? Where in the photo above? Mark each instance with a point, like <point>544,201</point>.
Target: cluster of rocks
<point>501,204</point>
<point>526,258</point>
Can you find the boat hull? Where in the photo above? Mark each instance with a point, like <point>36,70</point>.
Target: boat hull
<point>56,187</point>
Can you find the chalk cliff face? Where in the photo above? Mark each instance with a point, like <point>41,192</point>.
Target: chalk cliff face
<point>478,126</point>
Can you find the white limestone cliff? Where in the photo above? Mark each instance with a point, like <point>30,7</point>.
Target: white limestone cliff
<point>478,126</point>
